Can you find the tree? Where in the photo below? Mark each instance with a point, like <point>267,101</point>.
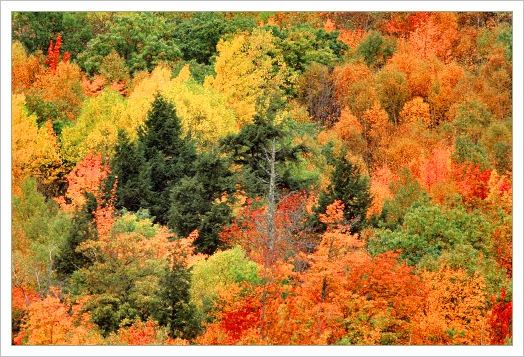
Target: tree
<point>49,323</point>
<point>406,192</point>
<point>83,228</point>
<point>316,92</point>
<point>454,311</point>
<point>303,45</point>
<point>126,166</point>
<point>415,110</point>
<point>249,147</point>
<point>96,128</point>
<point>164,173</point>
<point>35,29</point>
<point>176,310</point>
<point>352,189</point>
<point>40,233</point>
<point>123,279</point>
<point>204,114</point>
<point>428,230</point>
<point>216,274</point>
<point>24,68</point>
<point>354,87</point>
<point>375,49</point>
<point>435,35</point>
<point>392,91</point>
<point>199,35</point>
<point>113,67</point>
<point>85,179</point>
<point>53,54</point>
<point>200,202</point>
<point>250,70</point>
<point>34,150</point>
<point>501,318</point>
<point>167,157</point>
<point>62,88</point>
<point>142,39</point>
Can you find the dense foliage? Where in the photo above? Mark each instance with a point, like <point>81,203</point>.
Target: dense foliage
<point>262,178</point>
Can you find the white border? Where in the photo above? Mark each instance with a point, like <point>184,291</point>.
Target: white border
<point>518,129</point>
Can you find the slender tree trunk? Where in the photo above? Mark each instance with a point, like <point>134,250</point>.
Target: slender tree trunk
<point>271,201</point>
<point>270,244</point>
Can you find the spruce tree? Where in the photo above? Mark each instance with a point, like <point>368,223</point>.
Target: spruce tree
<point>127,168</point>
<point>249,149</point>
<point>167,155</point>
<point>83,228</point>
<point>349,186</point>
<point>164,174</point>
<point>176,311</point>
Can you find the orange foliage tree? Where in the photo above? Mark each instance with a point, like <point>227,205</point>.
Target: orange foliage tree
<point>454,311</point>
<point>49,322</point>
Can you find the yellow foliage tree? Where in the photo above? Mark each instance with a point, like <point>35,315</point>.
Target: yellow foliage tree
<point>96,128</point>
<point>250,70</point>
<point>142,95</point>
<point>34,150</point>
<point>202,112</point>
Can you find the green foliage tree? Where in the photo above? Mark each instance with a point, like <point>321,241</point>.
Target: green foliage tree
<point>303,45</point>
<point>197,203</point>
<point>83,228</point>
<point>127,166</point>
<point>497,141</point>
<point>164,174</point>
<point>429,230</point>
<point>167,157</point>
<point>466,150</point>
<point>375,49</point>
<point>406,191</point>
<point>249,149</point>
<point>176,311</point>
<point>209,277</point>
<point>198,35</point>
<point>40,236</point>
<point>36,29</point>
<point>142,39</point>
<point>349,186</point>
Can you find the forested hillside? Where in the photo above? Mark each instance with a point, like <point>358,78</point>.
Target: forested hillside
<point>267,178</point>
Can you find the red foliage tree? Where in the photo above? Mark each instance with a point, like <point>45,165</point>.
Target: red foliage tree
<point>472,182</point>
<point>501,319</point>
<point>53,54</point>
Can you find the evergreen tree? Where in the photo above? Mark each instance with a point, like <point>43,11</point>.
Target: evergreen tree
<point>83,228</point>
<point>249,149</point>
<point>126,168</point>
<point>168,157</point>
<point>194,202</point>
<point>164,174</point>
<point>351,188</point>
<point>176,311</point>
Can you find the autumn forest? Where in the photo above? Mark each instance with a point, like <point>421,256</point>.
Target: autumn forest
<point>261,178</point>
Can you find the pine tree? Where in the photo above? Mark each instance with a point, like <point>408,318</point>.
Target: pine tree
<point>249,148</point>
<point>352,189</point>
<point>164,174</point>
<point>167,156</point>
<point>177,312</point>
<point>83,228</point>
